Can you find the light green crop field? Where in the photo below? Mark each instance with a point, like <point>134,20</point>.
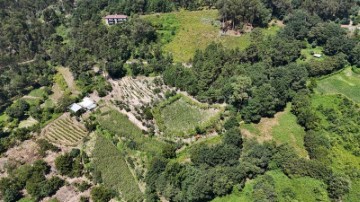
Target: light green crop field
<point>114,169</point>
<point>180,116</point>
<point>303,189</point>
<point>118,124</point>
<point>283,128</point>
<point>345,82</point>
<point>184,32</point>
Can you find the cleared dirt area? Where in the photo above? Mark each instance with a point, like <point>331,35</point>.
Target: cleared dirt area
<point>26,152</point>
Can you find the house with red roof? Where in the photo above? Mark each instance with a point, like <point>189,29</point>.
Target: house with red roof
<point>114,19</point>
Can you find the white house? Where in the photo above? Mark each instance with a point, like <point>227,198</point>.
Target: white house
<point>114,19</point>
<point>75,107</point>
<point>317,55</point>
<point>86,104</point>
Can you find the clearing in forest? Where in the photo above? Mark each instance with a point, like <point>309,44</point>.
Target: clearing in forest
<point>184,32</point>
<point>282,128</point>
<point>346,82</point>
<point>182,116</point>
<point>65,131</point>
<point>114,170</point>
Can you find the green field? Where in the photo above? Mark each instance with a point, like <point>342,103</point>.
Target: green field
<point>345,82</point>
<point>114,170</point>
<point>184,32</point>
<point>283,128</point>
<point>302,189</point>
<point>119,125</point>
<point>180,116</point>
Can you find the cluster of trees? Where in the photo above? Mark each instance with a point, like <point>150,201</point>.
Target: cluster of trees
<point>214,171</point>
<point>32,178</point>
<point>19,79</point>
<point>259,12</point>
<point>72,164</point>
<point>22,39</point>
<point>257,88</point>
<point>101,194</point>
<point>240,12</point>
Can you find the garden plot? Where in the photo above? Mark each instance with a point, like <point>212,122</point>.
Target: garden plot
<point>65,131</point>
<point>184,117</point>
<point>137,91</point>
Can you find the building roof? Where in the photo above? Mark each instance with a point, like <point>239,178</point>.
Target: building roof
<point>116,16</point>
<point>87,103</point>
<point>75,107</point>
<point>317,55</point>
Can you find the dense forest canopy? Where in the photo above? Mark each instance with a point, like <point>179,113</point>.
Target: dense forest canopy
<point>38,37</point>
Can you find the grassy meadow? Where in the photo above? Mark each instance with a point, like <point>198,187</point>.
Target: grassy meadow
<point>345,82</point>
<point>184,32</point>
<point>283,128</point>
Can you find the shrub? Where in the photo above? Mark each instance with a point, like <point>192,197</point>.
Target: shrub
<point>45,146</point>
<point>101,194</point>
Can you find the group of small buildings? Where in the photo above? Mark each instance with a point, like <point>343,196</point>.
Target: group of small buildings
<point>114,19</point>
<point>87,104</point>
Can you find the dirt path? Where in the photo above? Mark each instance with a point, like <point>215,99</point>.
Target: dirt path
<point>26,62</point>
<point>69,78</point>
<point>30,97</point>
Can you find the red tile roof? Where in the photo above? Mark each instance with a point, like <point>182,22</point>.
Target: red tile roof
<point>116,16</point>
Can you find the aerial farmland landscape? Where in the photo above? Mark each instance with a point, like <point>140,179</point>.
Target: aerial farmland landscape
<point>180,100</point>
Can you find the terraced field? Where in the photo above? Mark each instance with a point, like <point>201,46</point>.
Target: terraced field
<point>65,131</point>
<point>138,91</point>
